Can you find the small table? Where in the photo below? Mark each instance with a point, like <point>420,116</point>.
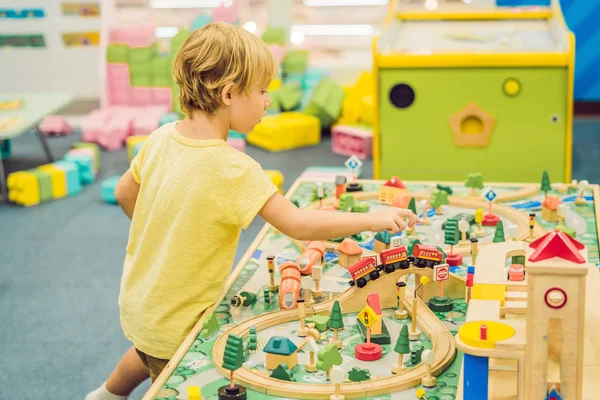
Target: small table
<point>34,108</point>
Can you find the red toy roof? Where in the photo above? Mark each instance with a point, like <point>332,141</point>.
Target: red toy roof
<point>557,244</point>
<point>374,302</point>
<point>395,182</point>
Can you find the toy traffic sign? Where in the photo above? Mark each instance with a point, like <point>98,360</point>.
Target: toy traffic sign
<point>354,165</point>
<point>489,194</point>
<point>367,316</point>
<point>441,272</point>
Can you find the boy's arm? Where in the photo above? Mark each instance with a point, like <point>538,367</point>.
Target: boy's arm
<point>126,193</point>
<point>308,224</point>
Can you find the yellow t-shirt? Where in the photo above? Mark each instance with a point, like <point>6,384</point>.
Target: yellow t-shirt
<point>195,198</point>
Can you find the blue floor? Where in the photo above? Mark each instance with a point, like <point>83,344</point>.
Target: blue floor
<point>60,269</point>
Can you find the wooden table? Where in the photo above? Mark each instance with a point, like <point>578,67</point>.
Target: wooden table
<point>34,108</point>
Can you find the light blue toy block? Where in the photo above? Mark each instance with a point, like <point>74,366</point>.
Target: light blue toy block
<point>136,148</point>
<point>5,149</point>
<point>294,78</point>
<point>201,21</point>
<point>85,164</point>
<point>108,189</point>
<point>235,135</point>
<point>170,117</point>
<point>72,173</point>
<point>306,96</point>
<point>312,77</point>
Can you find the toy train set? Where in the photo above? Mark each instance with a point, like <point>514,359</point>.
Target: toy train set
<point>393,259</point>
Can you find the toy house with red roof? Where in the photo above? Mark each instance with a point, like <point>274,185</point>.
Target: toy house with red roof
<point>349,253</point>
<point>391,189</point>
<point>550,208</point>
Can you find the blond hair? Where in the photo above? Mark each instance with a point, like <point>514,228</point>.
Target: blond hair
<point>214,56</point>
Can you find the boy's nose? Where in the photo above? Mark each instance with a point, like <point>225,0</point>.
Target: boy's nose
<point>268,102</point>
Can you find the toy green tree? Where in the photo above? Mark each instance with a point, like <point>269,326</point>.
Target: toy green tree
<point>233,358</point>
<point>346,202</point>
<point>328,357</point>
<point>445,188</point>
<point>412,206</point>
<point>546,187</point>
<point>411,246</point>
<point>451,233</point>
<point>438,199</point>
<point>359,374</point>
<point>499,234</point>
<point>402,347</point>
<point>415,355</point>
<point>336,320</point>
<point>474,181</point>
<point>253,338</point>
<point>283,373</point>
<point>210,326</point>
<point>315,195</point>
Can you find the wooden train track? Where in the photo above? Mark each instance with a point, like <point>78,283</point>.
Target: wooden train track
<point>352,300</point>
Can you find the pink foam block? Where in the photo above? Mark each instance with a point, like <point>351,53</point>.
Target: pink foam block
<point>55,125</point>
<point>138,36</point>
<point>140,96</point>
<point>148,120</point>
<point>278,52</point>
<point>162,96</point>
<point>91,125</point>
<point>119,97</point>
<point>226,14</point>
<point>113,135</point>
<point>237,143</point>
<point>349,140</point>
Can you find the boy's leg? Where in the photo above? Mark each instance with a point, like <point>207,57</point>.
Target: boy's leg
<point>128,374</point>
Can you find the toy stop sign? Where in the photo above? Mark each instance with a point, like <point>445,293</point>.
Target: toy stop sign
<point>441,272</point>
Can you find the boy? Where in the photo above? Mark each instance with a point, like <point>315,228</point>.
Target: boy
<point>189,196</point>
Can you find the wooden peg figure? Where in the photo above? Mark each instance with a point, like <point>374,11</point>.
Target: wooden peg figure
<point>400,313</point>
<point>271,265</point>
<point>474,249</point>
<point>424,206</point>
<point>428,357</point>
<point>561,212</point>
<point>301,314</point>
<point>337,376</point>
<point>582,186</point>
<point>463,227</point>
<point>317,275</point>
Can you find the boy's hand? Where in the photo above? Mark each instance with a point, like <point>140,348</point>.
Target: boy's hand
<point>392,219</point>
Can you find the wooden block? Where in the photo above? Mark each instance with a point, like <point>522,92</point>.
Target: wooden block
<point>484,291</point>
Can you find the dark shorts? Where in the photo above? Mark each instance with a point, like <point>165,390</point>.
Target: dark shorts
<point>153,366</point>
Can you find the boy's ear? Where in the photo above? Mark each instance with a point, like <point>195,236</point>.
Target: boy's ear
<point>227,94</point>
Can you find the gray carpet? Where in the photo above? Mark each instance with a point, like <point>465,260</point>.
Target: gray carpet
<point>61,265</point>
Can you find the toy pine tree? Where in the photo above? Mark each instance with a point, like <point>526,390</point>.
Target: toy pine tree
<point>346,202</point>
<point>412,205</point>
<point>210,326</point>
<point>451,233</point>
<point>252,338</point>
<point>233,358</point>
<point>295,202</point>
<point>336,321</point>
<point>474,181</point>
<point>283,373</point>
<point>328,357</point>
<point>359,374</point>
<point>499,234</point>
<point>438,199</point>
<point>402,347</point>
<point>411,246</point>
<point>545,183</point>
<point>479,220</point>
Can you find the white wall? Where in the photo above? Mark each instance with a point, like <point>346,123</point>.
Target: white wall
<point>54,68</point>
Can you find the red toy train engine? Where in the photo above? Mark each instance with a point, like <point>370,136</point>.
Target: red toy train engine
<point>396,258</point>
<point>427,256</point>
<point>367,267</point>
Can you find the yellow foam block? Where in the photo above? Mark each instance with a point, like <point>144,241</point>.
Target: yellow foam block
<point>132,141</point>
<point>59,180</point>
<point>364,85</point>
<point>470,333</point>
<point>23,188</point>
<point>366,110</point>
<point>489,291</point>
<point>276,177</point>
<point>286,131</point>
<point>275,84</point>
<point>194,393</point>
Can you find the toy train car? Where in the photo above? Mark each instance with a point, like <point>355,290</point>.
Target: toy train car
<point>396,258</point>
<point>427,256</point>
<point>365,268</point>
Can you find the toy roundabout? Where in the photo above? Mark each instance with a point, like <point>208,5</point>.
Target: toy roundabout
<point>376,316</point>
